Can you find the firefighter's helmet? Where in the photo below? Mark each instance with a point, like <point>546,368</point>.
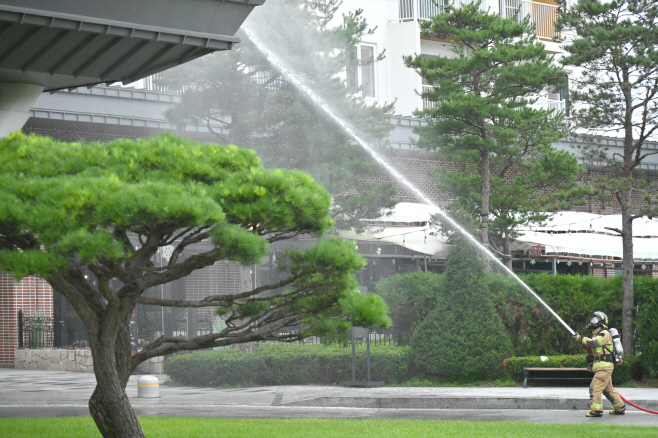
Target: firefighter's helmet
<point>598,319</point>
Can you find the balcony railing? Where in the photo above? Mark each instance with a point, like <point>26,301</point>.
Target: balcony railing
<point>426,9</point>
<point>427,104</point>
<point>549,104</point>
<point>542,15</point>
<point>541,103</point>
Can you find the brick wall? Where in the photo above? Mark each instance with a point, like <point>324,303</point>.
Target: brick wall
<point>30,295</point>
<point>421,172</point>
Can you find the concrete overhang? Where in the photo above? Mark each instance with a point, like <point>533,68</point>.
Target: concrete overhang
<point>71,43</point>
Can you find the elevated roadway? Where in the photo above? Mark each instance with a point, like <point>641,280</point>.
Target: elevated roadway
<point>50,45</point>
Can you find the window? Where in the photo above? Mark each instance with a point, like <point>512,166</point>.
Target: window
<point>361,69</point>
<point>368,71</point>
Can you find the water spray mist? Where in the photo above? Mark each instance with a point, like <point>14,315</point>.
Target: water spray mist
<point>321,103</point>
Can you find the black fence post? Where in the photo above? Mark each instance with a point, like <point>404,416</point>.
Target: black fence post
<point>20,329</point>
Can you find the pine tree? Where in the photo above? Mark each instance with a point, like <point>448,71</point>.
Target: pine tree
<point>481,116</point>
<point>89,219</point>
<point>616,43</point>
<point>463,338</point>
<point>248,102</point>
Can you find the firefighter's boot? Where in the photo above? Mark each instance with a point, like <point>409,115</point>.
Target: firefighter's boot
<point>621,411</point>
<point>594,414</point>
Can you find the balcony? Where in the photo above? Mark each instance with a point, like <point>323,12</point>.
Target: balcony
<point>426,9</point>
<point>550,104</point>
<point>541,103</point>
<point>542,15</point>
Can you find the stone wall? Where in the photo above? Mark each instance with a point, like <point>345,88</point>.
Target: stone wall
<point>78,360</point>
<point>155,365</point>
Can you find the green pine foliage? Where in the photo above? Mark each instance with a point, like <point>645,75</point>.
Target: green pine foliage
<point>463,338</point>
<point>481,117</point>
<point>90,217</point>
<point>615,44</point>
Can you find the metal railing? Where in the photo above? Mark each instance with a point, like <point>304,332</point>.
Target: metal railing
<point>427,104</point>
<point>541,103</point>
<point>37,331</point>
<point>426,9</point>
<point>542,15</point>
<point>154,83</point>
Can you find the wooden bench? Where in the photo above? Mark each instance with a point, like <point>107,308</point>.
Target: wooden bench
<point>555,374</point>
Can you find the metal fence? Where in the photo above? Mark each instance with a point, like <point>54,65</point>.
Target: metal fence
<point>39,331</point>
<point>426,9</point>
<point>35,331</point>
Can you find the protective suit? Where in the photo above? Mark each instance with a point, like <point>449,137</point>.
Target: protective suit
<point>602,364</point>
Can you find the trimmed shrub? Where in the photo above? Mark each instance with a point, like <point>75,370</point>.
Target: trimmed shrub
<point>463,339</point>
<point>531,328</point>
<point>622,374</point>
<point>410,298</point>
<point>275,364</point>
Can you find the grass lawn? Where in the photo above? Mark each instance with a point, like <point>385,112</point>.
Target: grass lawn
<point>180,427</point>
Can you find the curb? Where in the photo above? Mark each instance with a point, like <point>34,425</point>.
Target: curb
<point>457,403</point>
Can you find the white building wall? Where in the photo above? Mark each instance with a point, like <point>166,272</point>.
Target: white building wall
<point>404,82</point>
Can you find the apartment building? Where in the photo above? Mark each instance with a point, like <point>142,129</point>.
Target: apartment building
<point>398,33</point>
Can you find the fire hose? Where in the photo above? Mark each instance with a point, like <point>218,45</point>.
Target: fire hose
<point>636,406</point>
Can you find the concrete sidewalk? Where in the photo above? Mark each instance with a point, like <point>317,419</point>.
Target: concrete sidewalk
<point>47,392</point>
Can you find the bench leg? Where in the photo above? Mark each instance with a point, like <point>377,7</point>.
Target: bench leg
<point>525,380</point>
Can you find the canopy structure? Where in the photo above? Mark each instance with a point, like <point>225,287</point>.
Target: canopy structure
<point>406,226</point>
<point>567,233</point>
<point>587,235</point>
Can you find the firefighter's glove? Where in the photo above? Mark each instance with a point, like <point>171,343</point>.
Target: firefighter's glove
<point>577,338</point>
<point>589,359</point>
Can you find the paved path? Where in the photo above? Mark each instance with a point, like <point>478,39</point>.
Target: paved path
<point>34,394</point>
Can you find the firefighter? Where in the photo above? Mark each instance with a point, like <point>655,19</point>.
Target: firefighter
<point>601,363</point>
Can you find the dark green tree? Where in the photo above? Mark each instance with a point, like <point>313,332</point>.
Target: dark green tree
<point>246,101</point>
<point>463,338</point>
<point>616,43</point>
<point>69,211</point>
<point>411,297</point>
<point>482,116</point>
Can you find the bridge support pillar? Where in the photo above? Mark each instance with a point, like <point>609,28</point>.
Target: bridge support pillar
<point>15,103</point>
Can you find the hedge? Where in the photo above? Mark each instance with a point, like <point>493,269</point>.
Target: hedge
<point>532,329</point>
<point>275,364</point>
<point>622,374</point>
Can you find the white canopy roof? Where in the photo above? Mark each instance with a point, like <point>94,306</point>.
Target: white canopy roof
<point>566,232</point>
<point>591,235</point>
<point>415,238</point>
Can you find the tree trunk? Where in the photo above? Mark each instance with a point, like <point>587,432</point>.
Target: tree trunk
<point>111,410</point>
<point>507,255</point>
<point>628,264</point>
<point>484,209</point>
<point>109,404</point>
